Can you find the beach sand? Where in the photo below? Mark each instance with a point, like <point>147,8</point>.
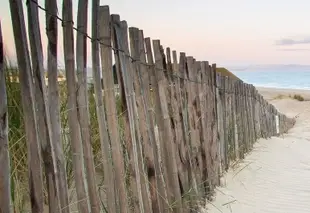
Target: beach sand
<point>271,93</point>
<point>274,176</point>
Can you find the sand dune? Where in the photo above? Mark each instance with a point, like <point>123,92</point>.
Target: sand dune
<point>274,177</point>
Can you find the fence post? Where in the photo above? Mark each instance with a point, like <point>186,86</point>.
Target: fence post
<point>251,114</point>
<point>157,126</point>
<point>215,149</point>
<point>170,158</point>
<point>242,144</point>
<point>210,145</point>
<point>258,114</point>
<point>53,101</point>
<point>205,128</point>
<point>191,122</point>
<point>181,136</point>
<point>42,113</point>
<point>236,119</point>
<point>155,187</point>
<point>220,110</point>
<point>5,196</point>
<point>140,119</point>
<point>183,84</point>
<point>108,84</point>
<point>176,113</point>
<point>196,76</point>
<point>74,126</point>
<point>28,102</point>
<point>100,109</point>
<point>83,108</point>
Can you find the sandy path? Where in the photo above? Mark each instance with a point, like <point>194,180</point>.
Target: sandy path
<point>275,176</point>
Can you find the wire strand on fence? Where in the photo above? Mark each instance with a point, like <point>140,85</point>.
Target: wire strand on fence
<point>113,48</point>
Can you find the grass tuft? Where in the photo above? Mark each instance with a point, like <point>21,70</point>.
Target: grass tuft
<point>295,96</point>
<point>225,72</point>
<point>298,97</point>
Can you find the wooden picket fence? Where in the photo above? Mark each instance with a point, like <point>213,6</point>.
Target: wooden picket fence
<point>182,127</point>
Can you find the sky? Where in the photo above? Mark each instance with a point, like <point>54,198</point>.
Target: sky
<point>226,32</point>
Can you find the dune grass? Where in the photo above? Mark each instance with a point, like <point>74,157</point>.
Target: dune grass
<point>225,72</point>
<point>18,143</point>
<point>297,97</point>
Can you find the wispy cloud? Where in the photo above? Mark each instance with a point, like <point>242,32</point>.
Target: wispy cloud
<point>295,50</point>
<point>292,41</point>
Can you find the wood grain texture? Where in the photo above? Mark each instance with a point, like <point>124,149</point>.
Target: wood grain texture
<point>29,108</point>
<point>83,107</point>
<point>108,84</point>
<point>53,102</point>
<point>42,109</point>
<point>167,143</point>
<point>100,109</point>
<point>124,72</point>
<point>161,191</point>
<point>147,160</point>
<point>5,196</point>
<point>74,125</point>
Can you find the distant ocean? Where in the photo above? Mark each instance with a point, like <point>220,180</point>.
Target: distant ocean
<point>290,77</point>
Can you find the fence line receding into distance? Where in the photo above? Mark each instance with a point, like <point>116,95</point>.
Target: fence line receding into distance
<point>165,138</point>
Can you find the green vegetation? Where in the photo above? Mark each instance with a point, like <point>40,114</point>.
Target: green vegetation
<point>225,72</point>
<point>18,143</point>
<point>298,97</point>
<point>295,96</point>
<point>280,97</point>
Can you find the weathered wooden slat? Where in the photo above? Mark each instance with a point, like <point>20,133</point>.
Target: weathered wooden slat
<point>108,84</point>
<point>115,19</point>
<point>181,133</point>
<point>28,104</point>
<point>83,108</point>
<point>42,110</point>
<point>257,115</point>
<point>198,122</point>
<point>140,120</point>
<point>240,120</point>
<point>193,144</point>
<point>176,115</point>
<point>219,94</point>
<point>156,122</point>
<point>53,101</point>
<point>251,115</point>
<point>227,127</point>
<point>202,96</point>
<point>170,158</point>
<point>214,148</point>
<point>74,126</point>
<point>5,195</point>
<point>152,165</point>
<point>206,103</point>
<point>252,88</point>
<point>183,100</point>
<point>136,160</point>
<point>100,109</point>
<point>235,120</point>
<point>181,137</point>
<point>247,117</point>
<point>234,136</point>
